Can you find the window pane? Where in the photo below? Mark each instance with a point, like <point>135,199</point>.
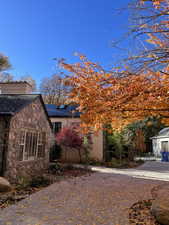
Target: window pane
<point>22,137</point>
<point>164,146</point>
<point>30,150</point>
<point>34,145</point>
<point>41,145</point>
<point>44,144</point>
<point>26,146</point>
<point>39,151</point>
<point>57,127</point>
<point>40,140</point>
<point>20,156</point>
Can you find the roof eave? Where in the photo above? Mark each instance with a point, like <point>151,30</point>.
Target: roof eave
<point>64,117</point>
<point>7,113</point>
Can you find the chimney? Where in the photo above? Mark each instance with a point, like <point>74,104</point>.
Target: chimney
<point>15,87</point>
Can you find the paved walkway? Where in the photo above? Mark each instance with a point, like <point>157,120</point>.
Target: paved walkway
<point>154,170</point>
<point>102,198</point>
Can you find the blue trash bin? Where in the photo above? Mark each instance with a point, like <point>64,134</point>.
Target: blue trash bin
<point>165,156</point>
<point>162,156</point>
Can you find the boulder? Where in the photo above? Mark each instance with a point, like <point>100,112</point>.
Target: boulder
<point>4,185</point>
<point>160,206</point>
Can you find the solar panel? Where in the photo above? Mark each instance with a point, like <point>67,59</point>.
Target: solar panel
<point>62,106</point>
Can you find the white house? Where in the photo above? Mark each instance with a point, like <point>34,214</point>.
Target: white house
<point>161,142</point>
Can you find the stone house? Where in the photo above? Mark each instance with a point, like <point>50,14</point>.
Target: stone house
<point>67,115</point>
<point>161,142</point>
<point>25,135</point>
<point>27,130</point>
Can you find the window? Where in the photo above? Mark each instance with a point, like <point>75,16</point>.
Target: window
<point>41,145</point>
<point>31,145</point>
<point>165,146</point>
<point>56,127</point>
<point>22,145</point>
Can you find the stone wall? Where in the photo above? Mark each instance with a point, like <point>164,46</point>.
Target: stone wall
<point>32,118</point>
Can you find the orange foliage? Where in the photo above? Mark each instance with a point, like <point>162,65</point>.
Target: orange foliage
<point>119,98</point>
<point>154,17</point>
<point>107,98</point>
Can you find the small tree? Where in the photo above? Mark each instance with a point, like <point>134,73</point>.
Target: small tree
<point>137,135</point>
<point>69,138</point>
<point>115,142</point>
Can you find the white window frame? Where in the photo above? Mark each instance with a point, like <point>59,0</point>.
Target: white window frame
<point>164,140</point>
<point>22,142</point>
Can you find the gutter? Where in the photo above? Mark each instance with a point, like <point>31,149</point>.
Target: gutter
<point>7,113</point>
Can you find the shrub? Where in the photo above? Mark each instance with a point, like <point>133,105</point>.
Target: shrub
<point>55,168</point>
<point>69,137</point>
<point>116,146</point>
<point>39,181</point>
<point>22,182</point>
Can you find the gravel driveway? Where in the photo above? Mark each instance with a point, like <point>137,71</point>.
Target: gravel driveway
<point>101,198</point>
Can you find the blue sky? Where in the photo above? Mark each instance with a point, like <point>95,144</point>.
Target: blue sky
<point>36,31</point>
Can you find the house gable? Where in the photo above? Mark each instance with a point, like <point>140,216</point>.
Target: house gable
<point>32,119</point>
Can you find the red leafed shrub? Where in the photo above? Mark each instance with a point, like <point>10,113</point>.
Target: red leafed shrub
<point>69,137</point>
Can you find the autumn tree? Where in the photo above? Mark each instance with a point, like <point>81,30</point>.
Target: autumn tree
<point>150,26</point>
<point>106,98</point>
<point>54,90</point>
<point>122,97</point>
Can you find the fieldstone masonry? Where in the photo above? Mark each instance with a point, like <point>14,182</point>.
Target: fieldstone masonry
<point>31,117</point>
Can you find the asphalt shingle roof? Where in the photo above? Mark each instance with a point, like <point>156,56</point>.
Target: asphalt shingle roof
<point>62,111</point>
<point>10,104</point>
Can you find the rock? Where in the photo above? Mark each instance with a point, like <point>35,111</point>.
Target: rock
<point>4,185</point>
<point>160,206</point>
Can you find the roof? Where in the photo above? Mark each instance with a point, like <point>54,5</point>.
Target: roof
<point>68,111</point>
<point>164,133</point>
<point>16,82</point>
<point>12,103</point>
